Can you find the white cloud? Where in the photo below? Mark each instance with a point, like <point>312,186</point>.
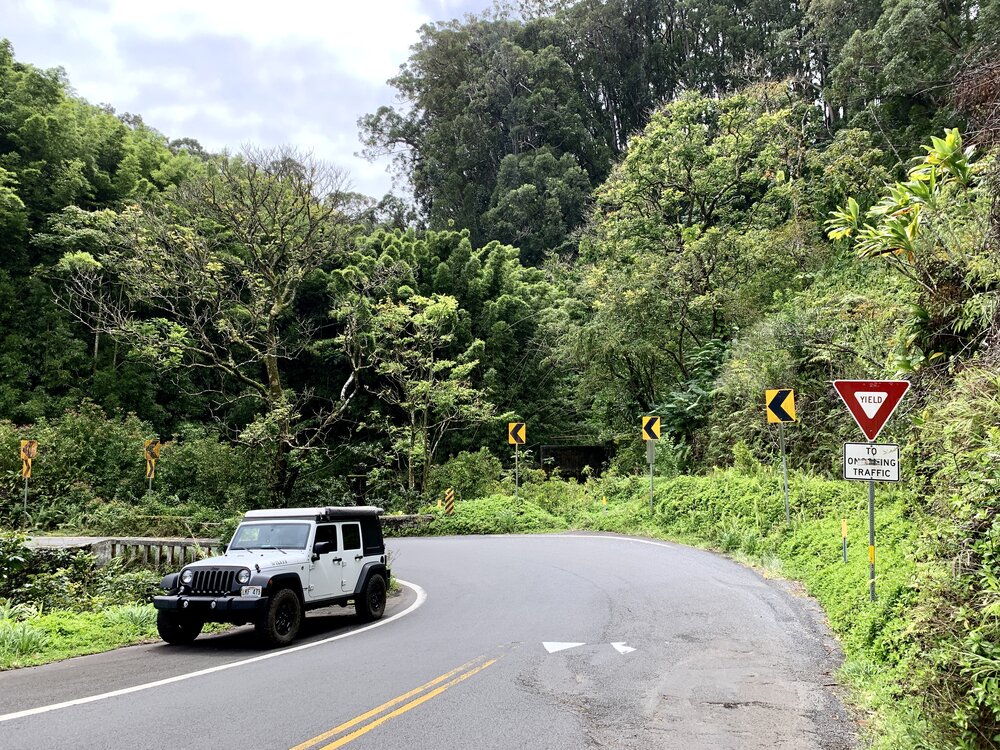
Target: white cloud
<point>229,72</point>
<point>369,40</point>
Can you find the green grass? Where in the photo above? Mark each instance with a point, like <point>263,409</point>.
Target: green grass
<point>62,634</point>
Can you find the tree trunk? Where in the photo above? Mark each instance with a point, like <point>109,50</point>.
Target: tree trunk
<point>410,477</point>
<point>283,481</point>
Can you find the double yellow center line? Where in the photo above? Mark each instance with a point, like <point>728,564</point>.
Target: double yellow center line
<point>378,716</point>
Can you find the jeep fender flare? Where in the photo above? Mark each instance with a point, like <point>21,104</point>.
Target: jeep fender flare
<point>270,584</point>
<point>169,581</point>
<point>366,573</point>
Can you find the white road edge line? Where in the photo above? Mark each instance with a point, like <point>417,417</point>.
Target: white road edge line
<point>421,598</point>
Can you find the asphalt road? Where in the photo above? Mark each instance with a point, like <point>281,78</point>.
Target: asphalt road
<point>674,648</point>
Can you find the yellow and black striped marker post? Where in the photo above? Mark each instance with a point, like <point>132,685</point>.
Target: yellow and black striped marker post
<point>29,449</point>
<point>449,501</point>
<point>151,450</point>
<point>843,535</point>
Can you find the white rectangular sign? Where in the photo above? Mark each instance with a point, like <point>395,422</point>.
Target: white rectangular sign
<point>868,461</point>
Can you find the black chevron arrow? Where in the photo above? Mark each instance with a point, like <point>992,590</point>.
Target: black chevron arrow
<point>648,428</point>
<point>517,434</point>
<point>776,408</point>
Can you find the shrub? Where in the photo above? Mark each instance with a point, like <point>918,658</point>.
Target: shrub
<point>132,619</point>
<point>495,514</point>
<point>14,558</point>
<point>471,475</point>
<point>13,612</point>
<point>18,639</point>
<point>90,475</point>
<point>114,584</point>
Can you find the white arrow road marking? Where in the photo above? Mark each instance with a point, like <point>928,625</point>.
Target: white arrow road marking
<point>621,648</point>
<point>871,401</point>
<point>553,646</point>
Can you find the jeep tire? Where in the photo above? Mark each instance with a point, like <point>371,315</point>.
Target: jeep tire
<point>371,603</point>
<point>177,629</point>
<point>280,622</point>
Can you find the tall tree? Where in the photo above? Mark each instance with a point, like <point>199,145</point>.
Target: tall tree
<point>676,244</point>
<point>209,280</point>
<point>434,393</point>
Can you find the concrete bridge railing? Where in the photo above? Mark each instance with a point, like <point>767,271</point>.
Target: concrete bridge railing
<point>174,552</point>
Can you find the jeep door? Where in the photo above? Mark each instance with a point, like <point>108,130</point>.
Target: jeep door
<point>325,576</point>
<point>353,557</point>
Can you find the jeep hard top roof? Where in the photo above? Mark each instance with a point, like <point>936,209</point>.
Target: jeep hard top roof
<point>314,514</point>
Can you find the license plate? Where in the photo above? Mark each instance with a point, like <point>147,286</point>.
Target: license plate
<point>250,591</point>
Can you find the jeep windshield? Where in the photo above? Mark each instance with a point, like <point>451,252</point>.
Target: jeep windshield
<point>279,536</point>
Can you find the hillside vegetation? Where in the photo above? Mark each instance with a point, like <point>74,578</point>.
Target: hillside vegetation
<point>614,208</point>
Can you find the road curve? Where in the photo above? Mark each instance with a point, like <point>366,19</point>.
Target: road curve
<point>551,641</point>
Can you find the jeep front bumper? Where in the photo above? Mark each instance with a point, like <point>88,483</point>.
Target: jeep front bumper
<point>212,607</point>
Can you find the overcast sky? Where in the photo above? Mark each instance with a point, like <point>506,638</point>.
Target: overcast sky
<point>228,72</point>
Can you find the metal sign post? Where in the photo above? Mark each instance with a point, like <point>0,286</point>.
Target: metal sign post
<point>871,403</point>
<point>871,539</point>
<point>843,536</point>
<point>517,472</point>
<point>870,462</point>
<point>779,404</point>
<point>651,434</point>
<point>784,472</point>
<point>651,460</point>
<point>517,434</point>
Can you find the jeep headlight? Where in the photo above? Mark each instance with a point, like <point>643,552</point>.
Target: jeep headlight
<point>186,577</point>
<point>243,576</point>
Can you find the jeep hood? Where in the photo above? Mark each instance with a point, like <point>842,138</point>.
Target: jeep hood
<point>265,559</point>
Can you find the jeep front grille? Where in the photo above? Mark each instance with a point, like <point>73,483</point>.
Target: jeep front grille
<point>212,581</point>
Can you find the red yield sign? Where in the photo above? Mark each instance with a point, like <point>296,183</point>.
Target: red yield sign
<point>871,402</point>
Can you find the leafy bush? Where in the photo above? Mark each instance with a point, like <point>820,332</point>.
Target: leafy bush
<point>471,475</point>
<point>115,584</point>
<point>14,558</point>
<point>495,514</point>
<point>90,475</point>
<point>13,612</point>
<point>958,441</point>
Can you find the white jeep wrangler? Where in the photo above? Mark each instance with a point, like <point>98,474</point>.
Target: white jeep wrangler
<point>279,564</point>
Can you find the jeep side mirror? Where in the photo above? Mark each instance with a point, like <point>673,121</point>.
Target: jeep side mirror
<point>321,548</point>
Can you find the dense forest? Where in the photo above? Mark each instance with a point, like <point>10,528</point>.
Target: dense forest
<point>607,208</point>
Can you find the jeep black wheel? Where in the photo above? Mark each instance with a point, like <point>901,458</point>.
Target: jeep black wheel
<point>176,628</point>
<point>281,621</point>
<point>371,604</point>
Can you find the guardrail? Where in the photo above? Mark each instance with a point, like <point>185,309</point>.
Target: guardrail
<point>174,552</point>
